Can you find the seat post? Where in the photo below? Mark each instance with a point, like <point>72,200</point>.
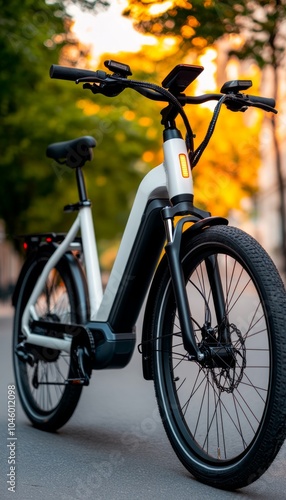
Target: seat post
<point>81,185</point>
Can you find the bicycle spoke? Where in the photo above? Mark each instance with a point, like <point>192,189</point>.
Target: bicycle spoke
<point>53,305</point>
<point>222,407</point>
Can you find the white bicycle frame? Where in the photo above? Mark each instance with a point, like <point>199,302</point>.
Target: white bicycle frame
<point>170,179</point>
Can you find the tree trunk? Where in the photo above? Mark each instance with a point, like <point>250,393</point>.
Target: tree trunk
<point>280,179</point>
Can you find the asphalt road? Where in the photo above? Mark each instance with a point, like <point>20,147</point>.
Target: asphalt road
<point>113,448</point>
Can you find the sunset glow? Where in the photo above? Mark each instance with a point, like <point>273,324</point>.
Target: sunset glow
<point>108,31</point>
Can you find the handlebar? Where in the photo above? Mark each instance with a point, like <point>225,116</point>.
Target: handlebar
<point>241,100</point>
<point>111,85</point>
<point>74,74</point>
<point>264,101</point>
<point>234,101</point>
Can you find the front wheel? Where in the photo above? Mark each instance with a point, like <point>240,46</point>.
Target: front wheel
<point>224,417</point>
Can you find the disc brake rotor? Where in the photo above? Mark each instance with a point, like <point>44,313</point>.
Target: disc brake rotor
<point>226,363</point>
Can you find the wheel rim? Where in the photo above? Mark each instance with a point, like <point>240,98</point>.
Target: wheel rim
<point>217,413</point>
<point>43,383</point>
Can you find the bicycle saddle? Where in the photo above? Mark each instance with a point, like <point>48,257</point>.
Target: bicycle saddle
<point>73,153</point>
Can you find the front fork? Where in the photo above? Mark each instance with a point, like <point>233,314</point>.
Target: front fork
<point>174,236</point>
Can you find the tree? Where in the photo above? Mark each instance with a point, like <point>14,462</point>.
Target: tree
<point>224,176</point>
<point>196,25</point>
<point>263,26</point>
<point>31,37</point>
<point>36,111</point>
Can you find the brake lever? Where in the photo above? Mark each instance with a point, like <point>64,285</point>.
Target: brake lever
<point>241,102</point>
<point>260,105</point>
<point>95,89</point>
<point>111,90</point>
<point>236,102</point>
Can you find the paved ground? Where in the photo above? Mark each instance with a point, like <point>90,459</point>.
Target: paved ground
<point>113,448</point>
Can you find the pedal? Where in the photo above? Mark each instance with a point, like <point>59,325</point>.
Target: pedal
<point>23,355</point>
<point>81,358</point>
<point>77,381</point>
<point>82,352</point>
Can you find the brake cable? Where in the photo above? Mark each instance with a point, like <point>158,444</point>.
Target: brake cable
<point>123,83</point>
<point>164,92</point>
<point>199,151</point>
<point>112,85</point>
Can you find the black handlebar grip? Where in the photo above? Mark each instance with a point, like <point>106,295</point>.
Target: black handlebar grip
<point>72,74</point>
<point>268,101</point>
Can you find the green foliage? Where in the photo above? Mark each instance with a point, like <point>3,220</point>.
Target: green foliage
<point>263,27</point>
<point>198,24</point>
<point>36,111</point>
<point>25,27</point>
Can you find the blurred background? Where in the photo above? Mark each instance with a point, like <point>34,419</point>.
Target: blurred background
<point>242,173</point>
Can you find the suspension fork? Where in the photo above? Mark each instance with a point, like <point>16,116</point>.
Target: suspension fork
<point>214,277</point>
<point>200,219</point>
<point>172,249</point>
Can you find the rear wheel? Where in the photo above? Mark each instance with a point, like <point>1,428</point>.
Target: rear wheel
<point>40,381</point>
<point>225,417</point>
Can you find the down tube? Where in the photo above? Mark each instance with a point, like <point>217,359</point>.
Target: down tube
<point>140,269</point>
<point>138,254</point>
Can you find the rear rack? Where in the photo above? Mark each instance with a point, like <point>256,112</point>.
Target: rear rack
<point>34,240</point>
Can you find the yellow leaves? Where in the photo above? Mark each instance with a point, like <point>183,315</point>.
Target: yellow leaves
<point>140,61</point>
<point>217,191</point>
<point>228,170</point>
<point>157,28</point>
<point>151,133</point>
<point>166,46</point>
<point>199,42</point>
<point>148,156</point>
<point>108,256</point>
<point>145,121</point>
<point>192,22</point>
<point>129,115</point>
<point>187,31</point>
<point>182,4</point>
<point>143,11</point>
<point>170,42</point>
<point>157,9</point>
<point>89,108</point>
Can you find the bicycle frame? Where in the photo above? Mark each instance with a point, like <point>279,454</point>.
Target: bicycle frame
<point>165,192</point>
<point>163,183</point>
<point>114,312</point>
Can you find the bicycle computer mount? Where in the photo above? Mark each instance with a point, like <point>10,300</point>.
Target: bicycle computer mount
<point>235,86</point>
<point>118,68</point>
<point>180,77</point>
